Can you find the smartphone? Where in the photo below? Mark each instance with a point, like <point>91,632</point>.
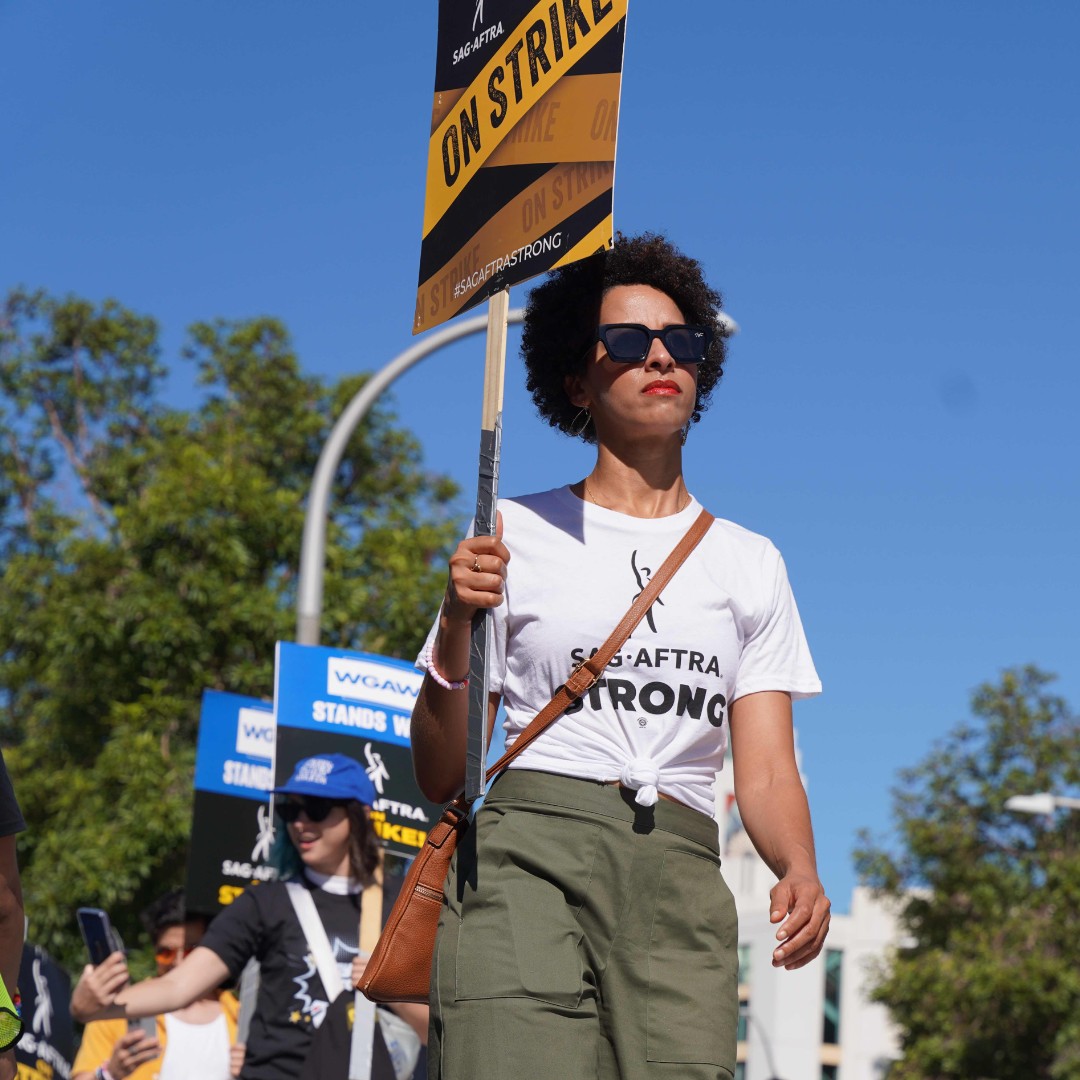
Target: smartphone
<point>146,1024</point>
<point>98,933</point>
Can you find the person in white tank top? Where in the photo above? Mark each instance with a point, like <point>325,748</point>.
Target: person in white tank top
<point>195,1046</point>
<point>192,1041</point>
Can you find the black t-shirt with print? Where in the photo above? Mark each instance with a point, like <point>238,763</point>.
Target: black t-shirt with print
<point>262,923</point>
<point>11,819</point>
<point>328,1058</point>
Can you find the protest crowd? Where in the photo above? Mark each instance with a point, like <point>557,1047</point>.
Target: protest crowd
<point>584,928</point>
<point>187,1021</point>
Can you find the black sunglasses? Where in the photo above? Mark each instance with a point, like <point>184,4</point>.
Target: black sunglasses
<point>629,343</point>
<point>315,808</point>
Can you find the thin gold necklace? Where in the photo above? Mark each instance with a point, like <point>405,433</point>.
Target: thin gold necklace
<point>592,498</point>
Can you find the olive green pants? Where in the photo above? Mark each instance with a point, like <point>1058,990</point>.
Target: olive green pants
<point>584,936</point>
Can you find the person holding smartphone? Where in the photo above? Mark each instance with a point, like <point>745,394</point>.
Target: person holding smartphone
<point>329,851</point>
<point>192,1041</point>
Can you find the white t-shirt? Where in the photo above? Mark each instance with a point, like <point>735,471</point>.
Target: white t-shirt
<point>725,626</point>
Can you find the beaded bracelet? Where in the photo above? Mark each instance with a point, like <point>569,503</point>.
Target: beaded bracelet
<point>428,657</point>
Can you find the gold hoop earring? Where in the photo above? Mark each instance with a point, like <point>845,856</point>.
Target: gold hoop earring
<point>574,423</point>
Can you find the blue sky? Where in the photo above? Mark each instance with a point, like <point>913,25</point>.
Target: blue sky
<point>886,195</point>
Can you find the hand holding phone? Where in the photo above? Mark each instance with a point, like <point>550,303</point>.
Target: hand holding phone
<point>132,1050</point>
<point>97,988</point>
<point>98,933</point>
<point>107,974</point>
<point>146,1024</point>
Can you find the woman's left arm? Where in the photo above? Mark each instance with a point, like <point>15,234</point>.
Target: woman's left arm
<point>774,811</point>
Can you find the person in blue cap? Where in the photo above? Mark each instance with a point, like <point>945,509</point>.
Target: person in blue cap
<point>331,870</point>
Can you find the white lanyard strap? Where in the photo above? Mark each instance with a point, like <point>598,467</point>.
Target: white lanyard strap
<point>363,1031</point>
<point>317,941</point>
<point>362,1041</point>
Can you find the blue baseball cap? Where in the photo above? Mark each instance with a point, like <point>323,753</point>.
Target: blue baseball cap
<point>330,776</point>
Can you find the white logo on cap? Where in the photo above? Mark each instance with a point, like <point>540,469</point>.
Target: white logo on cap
<point>315,771</point>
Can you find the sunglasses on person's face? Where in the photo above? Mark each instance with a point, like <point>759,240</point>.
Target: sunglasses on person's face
<point>166,956</point>
<point>629,343</point>
<point>314,808</point>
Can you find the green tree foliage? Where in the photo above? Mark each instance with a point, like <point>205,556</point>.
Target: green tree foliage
<point>988,983</point>
<point>149,552</point>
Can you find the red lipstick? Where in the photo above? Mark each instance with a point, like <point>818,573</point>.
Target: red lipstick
<point>663,387</point>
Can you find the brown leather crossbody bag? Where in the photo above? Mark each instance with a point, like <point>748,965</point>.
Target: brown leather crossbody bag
<point>400,967</point>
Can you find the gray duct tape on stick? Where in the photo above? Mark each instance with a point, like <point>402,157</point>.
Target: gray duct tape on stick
<point>487,497</point>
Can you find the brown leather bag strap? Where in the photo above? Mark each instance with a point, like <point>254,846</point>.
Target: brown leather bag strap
<point>588,671</point>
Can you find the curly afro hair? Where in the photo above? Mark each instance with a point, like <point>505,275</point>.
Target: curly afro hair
<point>563,311</point>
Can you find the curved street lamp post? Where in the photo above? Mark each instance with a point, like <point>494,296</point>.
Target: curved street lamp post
<point>309,598</point>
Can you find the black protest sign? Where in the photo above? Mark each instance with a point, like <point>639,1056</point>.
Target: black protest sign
<point>232,823</point>
<point>46,1049</point>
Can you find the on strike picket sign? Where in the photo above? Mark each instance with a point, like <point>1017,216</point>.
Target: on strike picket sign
<point>521,156</point>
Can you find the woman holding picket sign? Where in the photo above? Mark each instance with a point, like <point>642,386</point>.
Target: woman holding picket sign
<point>310,934</point>
<point>587,930</point>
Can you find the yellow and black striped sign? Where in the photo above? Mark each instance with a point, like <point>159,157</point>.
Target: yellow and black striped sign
<point>521,162</point>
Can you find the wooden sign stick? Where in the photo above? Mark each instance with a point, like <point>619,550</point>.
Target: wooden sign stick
<point>487,495</point>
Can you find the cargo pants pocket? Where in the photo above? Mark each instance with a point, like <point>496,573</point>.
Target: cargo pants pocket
<point>519,935</point>
<point>692,1013</point>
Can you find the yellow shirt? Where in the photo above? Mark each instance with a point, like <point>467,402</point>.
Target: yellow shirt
<point>101,1036</point>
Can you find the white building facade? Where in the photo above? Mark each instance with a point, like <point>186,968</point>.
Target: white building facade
<point>815,1023</point>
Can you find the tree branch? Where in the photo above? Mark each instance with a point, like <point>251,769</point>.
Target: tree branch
<point>26,485</point>
<point>76,462</point>
<point>82,430</point>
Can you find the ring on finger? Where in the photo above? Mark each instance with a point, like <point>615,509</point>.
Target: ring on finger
<point>476,564</point>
